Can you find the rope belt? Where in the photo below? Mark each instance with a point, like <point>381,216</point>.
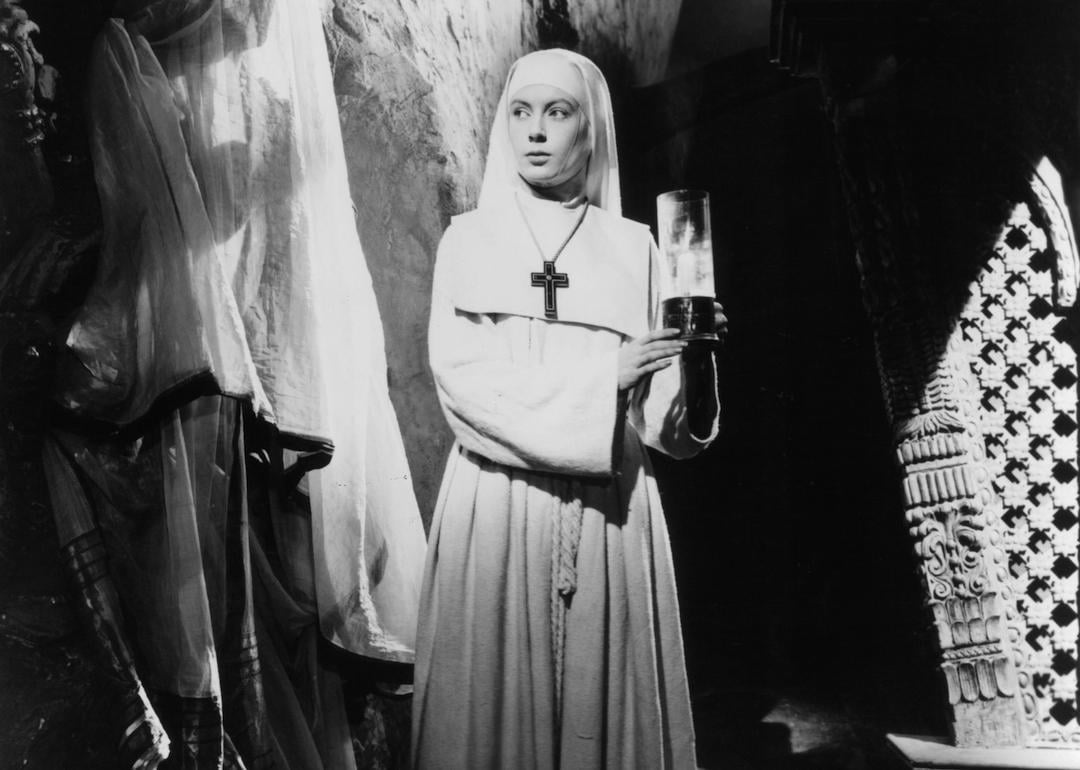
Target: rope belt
<point>566,536</point>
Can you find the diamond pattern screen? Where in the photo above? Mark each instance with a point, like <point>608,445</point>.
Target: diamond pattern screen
<point>1019,349</point>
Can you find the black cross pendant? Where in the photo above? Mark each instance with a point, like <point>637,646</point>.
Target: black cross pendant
<point>551,281</point>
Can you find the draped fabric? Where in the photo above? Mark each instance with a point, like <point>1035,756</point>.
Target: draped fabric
<point>221,639</point>
<point>231,263</point>
<point>170,507</point>
<point>228,345</point>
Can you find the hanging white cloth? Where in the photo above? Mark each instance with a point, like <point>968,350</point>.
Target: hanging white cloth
<point>231,262</point>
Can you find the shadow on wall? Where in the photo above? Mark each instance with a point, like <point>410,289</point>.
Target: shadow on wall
<point>794,565</point>
<point>709,32</point>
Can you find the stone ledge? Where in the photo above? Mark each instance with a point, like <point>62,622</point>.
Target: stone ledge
<point>933,752</point>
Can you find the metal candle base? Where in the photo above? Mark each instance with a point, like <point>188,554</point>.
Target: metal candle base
<point>693,316</point>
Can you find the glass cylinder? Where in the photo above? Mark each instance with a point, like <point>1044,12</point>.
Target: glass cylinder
<point>685,240</point>
<point>682,218</point>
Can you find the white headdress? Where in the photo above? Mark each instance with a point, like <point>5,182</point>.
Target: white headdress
<point>549,67</point>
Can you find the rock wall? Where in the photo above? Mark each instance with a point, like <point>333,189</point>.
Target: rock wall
<point>417,85</point>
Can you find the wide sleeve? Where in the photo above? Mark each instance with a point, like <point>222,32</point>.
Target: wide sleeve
<point>677,410</point>
<point>553,416</point>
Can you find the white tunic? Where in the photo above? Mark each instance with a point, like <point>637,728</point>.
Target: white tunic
<point>543,440</point>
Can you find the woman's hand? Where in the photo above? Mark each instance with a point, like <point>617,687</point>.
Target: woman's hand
<point>720,319</point>
<point>647,354</point>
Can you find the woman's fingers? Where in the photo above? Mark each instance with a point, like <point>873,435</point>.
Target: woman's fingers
<point>657,354</point>
<point>657,335</point>
<point>719,317</point>
<point>648,353</point>
<point>650,367</point>
<point>664,345</point>
<point>656,351</point>
<point>656,366</point>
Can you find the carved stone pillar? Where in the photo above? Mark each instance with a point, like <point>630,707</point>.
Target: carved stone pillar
<point>970,268</point>
<point>26,194</point>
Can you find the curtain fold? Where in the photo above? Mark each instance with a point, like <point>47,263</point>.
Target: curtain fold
<point>231,264</point>
<point>231,318</point>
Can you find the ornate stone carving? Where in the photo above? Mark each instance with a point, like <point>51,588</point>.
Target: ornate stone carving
<point>988,455</point>
<point>969,262</point>
<point>1026,372</point>
<point>25,79</point>
<point>23,75</point>
<point>1046,184</point>
<point>956,531</point>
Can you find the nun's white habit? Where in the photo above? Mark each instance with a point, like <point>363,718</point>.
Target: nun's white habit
<point>549,627</point>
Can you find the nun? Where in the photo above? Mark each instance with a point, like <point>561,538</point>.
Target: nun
<point>549,625</point>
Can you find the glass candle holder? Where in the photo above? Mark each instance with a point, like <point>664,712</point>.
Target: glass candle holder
<point>685,240</point>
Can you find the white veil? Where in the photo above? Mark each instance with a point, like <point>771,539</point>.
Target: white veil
<point>602,184</point>
<point>231,253</point>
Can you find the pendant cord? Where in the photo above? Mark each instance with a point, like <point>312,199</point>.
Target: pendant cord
<point>535,240</point>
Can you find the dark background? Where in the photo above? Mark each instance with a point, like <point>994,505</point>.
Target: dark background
<point>797,579</point>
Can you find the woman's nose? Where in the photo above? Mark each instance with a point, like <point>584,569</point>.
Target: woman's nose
<point>536,131</point>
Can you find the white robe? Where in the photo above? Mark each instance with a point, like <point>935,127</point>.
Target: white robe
<point>542,435</point>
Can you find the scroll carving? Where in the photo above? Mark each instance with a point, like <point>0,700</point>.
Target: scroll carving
<point>932,396</point>
<point>1046,184</point>
<point>988,455</point>
<point>969,268</point>
<point>955,527</point>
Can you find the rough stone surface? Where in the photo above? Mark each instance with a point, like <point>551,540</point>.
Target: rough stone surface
<point>417,85</point>
<point>414,156</point>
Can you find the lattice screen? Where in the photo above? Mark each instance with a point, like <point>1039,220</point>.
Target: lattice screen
<point>1027,373</point>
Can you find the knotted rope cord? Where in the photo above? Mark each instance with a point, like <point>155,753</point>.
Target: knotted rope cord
<point>566,516</point>
<point>566,537</point>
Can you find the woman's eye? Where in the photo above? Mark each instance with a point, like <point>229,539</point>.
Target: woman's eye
<point>559,113</point>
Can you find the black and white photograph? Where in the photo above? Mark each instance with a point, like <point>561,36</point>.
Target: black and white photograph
<point>539,384</point>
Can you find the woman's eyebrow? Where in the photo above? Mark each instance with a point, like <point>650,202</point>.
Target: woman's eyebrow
<point>517,102</point>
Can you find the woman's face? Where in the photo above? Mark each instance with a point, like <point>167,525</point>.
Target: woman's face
<point>549,136</point>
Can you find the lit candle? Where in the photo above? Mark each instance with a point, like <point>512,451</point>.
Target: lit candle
<point>685,240</point>
<point>686,269</point>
